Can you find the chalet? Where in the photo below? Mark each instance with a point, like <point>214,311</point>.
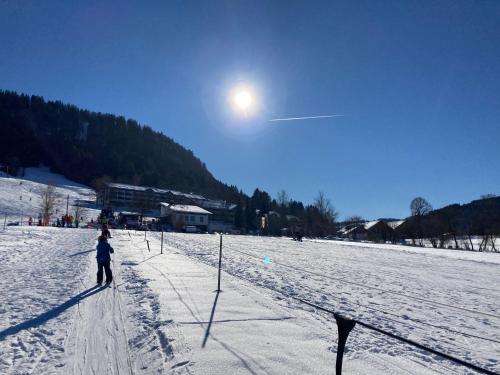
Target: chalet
<point>182,216</point>
<point>376,231</point>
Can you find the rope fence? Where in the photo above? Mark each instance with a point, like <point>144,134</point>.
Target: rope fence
<point>346,323</point>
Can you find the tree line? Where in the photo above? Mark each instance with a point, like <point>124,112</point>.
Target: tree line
<point>456,225</point>
<point>93,147</point>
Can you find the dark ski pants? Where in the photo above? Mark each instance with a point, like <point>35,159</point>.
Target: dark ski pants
<point>107,269</point>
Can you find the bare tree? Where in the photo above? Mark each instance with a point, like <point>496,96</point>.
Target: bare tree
<point>325,207</point>
<point>47,203</point>
<point>353,220</point>
<point>420,207</point>
<point>80,214</point>
<point>283,199</point>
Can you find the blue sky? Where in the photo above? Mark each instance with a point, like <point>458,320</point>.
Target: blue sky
<point>418,83</point>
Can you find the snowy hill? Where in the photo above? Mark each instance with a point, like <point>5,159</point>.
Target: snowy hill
<point>20,196</point>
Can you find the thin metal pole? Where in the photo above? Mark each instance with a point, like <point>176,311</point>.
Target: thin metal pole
<point>67,204</point>
<point>147,241</point>
<point>4,221</point>
<point>220,262</point>
<point>161,242</point>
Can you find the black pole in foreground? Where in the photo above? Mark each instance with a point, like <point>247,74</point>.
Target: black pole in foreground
<point>147,241</point>
<point>344,326</point>
<point>161,242</point>
<point>220,262</point>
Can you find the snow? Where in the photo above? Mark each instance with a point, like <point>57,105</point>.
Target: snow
<point>155,190</point>
<point>162,314</point>
<point>186,208</point>
<point>370,224</point>
<point>20,196</point>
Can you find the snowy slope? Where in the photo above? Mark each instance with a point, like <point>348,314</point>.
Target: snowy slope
<point>20,196</point>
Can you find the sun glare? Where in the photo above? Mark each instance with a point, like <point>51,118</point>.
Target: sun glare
<point>243,100</point>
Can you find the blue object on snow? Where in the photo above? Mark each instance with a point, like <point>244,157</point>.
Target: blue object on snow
<point>103,251</point>
<point>267,260</point>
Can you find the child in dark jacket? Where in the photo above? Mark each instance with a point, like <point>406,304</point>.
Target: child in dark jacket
<point>103,257</point>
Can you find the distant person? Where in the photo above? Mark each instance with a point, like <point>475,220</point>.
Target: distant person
<point>105,231</point>
<point>58,223</point>
<point>30,221</point>
<point>103,258</point>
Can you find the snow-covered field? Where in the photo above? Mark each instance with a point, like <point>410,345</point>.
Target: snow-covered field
<point>444,299</point>
<point>162,314</point>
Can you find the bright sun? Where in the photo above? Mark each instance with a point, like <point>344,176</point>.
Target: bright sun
<point>243,100</point>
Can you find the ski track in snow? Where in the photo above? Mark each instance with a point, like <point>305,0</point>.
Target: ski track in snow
<point>54,321</point>
<point>37,290</point>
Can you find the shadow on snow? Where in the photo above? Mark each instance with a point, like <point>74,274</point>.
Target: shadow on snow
<point>51,314</point>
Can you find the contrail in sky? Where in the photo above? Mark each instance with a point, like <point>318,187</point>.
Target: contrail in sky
<point>303,118</point>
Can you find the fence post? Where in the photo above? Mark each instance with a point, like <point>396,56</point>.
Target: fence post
<point>220,262</point>
<point>161,242</point>
<point>344,325</point>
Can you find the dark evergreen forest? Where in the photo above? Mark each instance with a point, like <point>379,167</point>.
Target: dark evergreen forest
<point>87,146</point>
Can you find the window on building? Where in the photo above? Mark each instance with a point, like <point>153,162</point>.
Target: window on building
<point>201,219</point>
<point>192,219</point>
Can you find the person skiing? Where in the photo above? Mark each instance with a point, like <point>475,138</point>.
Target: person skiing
<point>105,231</point>
<point>103,257</point>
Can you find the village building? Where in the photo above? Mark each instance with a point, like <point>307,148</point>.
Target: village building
<point>184,217</point>
<point>400,229</point>
<point>376,231</point>
<point>146,201</point>
<point>143,198</point>
<point>223,215</point>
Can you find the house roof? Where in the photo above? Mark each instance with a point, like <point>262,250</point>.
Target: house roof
<point>134,187</point>
<point>370,224</point>
<point>355,229</point>
<point>395,224</point>
<point>155,190</point>
<point>215,204</point>
<point>186,208</point>
<point>128,213</point>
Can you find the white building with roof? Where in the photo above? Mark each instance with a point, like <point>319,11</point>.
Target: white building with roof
<point>182,216</point>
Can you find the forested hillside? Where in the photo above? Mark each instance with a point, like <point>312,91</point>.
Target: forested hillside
<point>91,147</point>
<point>86,146</point>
